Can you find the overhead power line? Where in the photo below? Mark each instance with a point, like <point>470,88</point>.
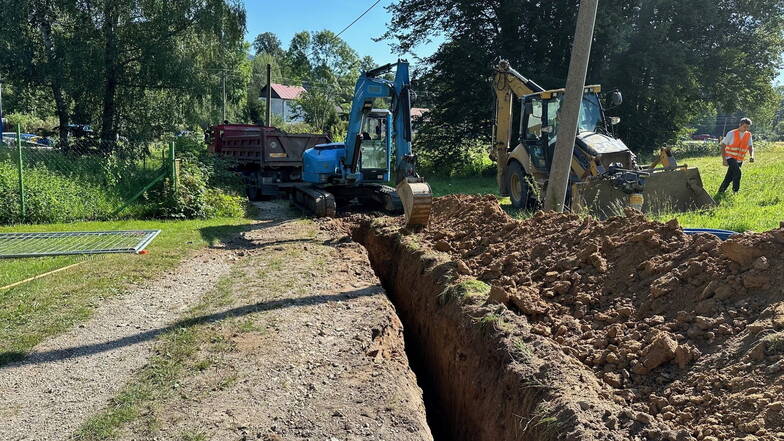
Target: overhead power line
<point>357,19</point>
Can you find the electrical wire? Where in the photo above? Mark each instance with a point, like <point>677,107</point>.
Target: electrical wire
<point>357,19</point>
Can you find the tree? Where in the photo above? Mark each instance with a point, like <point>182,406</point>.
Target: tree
<point>672,62</point>
<point>35,49</point>
<point>119,62</point>
<point>268,43</point>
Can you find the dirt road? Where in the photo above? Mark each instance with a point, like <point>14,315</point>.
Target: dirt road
<point>301,343</point>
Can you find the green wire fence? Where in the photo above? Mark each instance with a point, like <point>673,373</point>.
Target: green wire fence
<point>44,183</point>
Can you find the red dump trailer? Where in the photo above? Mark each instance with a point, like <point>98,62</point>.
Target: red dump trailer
<point>269,158</point>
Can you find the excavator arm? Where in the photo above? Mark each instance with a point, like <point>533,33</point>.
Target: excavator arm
<point>415,194</point>
<point>508,83</point>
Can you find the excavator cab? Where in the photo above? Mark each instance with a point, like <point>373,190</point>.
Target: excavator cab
<point>375,146</point>
<point>539,130</point>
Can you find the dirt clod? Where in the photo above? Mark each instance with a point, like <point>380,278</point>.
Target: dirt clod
<point>652,311</point>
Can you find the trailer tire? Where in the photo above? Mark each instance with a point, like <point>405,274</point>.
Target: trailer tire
<point>519,191</point>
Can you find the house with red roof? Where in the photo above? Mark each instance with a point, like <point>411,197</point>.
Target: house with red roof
<point>283,101</point>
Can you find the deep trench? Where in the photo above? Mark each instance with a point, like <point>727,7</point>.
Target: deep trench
<point>469,394</point>
<point>436,421</point>
<point>434,410</point>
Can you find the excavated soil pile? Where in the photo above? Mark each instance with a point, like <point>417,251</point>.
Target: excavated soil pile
<point>683,331</point>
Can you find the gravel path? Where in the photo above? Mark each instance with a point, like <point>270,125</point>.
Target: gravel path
<point>66,379</point>
<point>311,350</point>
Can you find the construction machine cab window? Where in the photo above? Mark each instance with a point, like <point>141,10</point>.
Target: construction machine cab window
<point>590,113</point>
<point>536,108</point>
<point>374,142</point>
<point>534,131</point>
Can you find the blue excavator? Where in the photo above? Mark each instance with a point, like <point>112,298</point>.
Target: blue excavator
<point>358,168</point>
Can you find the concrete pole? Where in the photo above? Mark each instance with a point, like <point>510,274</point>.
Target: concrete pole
<point>223,83</point>
<point>570,107</point>
<point>2,126</point>
<point>269,96</point>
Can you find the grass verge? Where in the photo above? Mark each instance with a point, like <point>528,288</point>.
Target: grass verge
<point>759,206</point>
<point>48,306</point>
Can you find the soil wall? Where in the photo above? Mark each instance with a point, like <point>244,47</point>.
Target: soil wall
<point>489,384</point>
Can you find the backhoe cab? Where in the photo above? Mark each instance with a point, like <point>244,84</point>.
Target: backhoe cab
<point>605,176</point>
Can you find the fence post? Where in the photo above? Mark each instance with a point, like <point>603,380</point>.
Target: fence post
<point>21,172</point>
<point>173,166</point>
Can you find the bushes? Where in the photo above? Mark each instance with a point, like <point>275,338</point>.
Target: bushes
<point>195,197</point>
<point>473,160</point>
<point>694,149</point>
<point>29,122</point>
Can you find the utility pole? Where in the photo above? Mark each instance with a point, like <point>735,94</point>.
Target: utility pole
<point>223,81</point>
<point>268,120</point>
<point>570,107</point>
<point>2,126</point>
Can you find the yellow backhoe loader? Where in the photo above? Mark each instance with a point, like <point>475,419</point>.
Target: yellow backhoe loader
<point>605,176</point>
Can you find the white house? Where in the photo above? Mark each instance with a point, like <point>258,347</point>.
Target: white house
<point>282,101</point>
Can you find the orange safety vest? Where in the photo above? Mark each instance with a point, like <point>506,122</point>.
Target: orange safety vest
<point>737,150</point>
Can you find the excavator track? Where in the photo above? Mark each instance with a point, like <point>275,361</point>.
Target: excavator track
<point>319,202</point>
<point>417,199</point>
<point>387,197</point>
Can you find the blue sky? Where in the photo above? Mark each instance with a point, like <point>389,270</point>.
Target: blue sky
<point>287,17</point>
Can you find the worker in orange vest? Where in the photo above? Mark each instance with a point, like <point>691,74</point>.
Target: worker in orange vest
<point>734,148</point>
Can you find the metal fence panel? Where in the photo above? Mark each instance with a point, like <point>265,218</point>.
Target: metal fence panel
<point>74,242</point>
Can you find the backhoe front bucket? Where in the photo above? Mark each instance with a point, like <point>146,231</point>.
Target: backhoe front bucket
<point>417,200</point>
<point>665,191</point>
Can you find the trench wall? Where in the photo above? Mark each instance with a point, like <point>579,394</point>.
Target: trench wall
<point>488,384</point>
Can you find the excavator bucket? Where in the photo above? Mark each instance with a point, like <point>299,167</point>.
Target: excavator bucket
<point>665,191</point>
<point>417,200</point>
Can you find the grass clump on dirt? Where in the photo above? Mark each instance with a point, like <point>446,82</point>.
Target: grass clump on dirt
<point>470,288</point>
<point>44,307</point>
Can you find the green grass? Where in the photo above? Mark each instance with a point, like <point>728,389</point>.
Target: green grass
<point>467,185</point>
<point>65,187</point>
<point>759,206</point>
<point>50,305</point>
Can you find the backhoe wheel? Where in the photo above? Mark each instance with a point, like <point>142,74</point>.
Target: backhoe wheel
<point>518,185</point>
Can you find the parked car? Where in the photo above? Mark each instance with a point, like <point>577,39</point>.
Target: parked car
<point>703,137</point>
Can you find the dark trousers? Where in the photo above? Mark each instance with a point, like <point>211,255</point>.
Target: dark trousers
<point>733,175</point>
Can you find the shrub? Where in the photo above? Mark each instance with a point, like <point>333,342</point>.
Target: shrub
<point>194,198</point>
<point>474,161</point>
<point>29,122</point>
<point>221,204</point>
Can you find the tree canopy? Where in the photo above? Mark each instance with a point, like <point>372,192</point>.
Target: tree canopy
<point>135,68</point>
<point>320,61</point>
<point>673,61</point>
